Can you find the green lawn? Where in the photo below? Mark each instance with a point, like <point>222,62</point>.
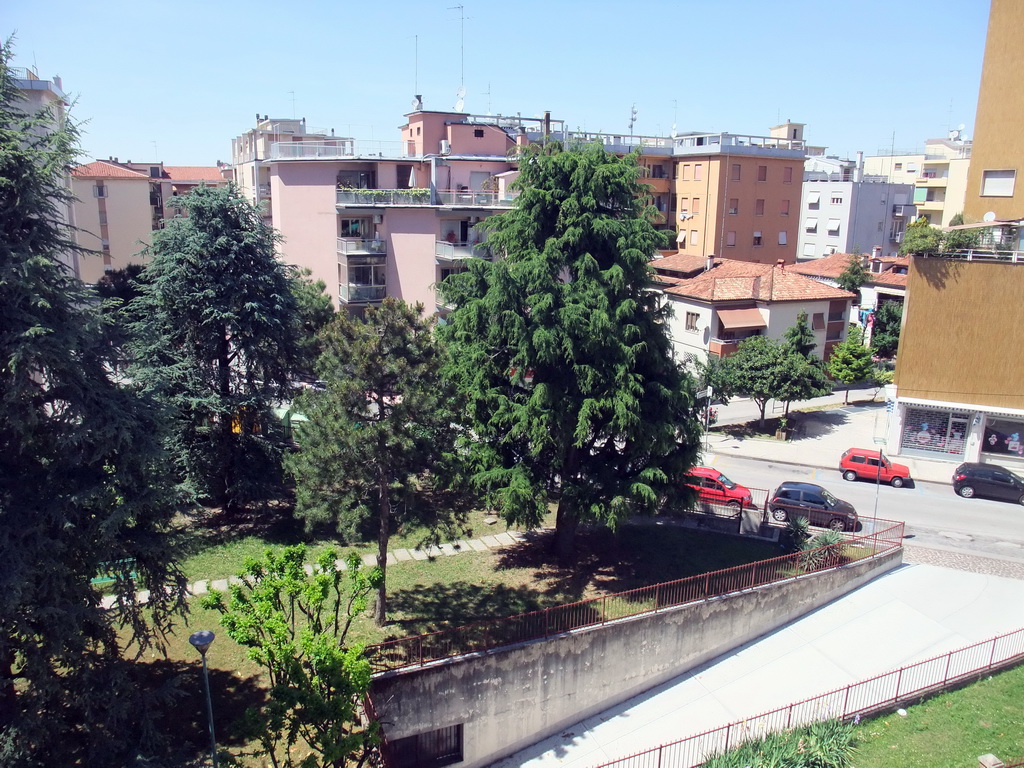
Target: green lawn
<point>950,730</point>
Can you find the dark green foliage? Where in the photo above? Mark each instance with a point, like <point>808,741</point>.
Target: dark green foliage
<point>381,434</point>
<point>314,311</point>
<point>851,360</point>
<point>294,625</point>
<point>921,237</point>
<point>214,339</point>
<point>116,289</point>
<point>800,337</point>
<point>801,379</point>
<point>80,480</point>
<point>961,239</point>
<point>854,276</point>
<point>795,534</point>
<point>885,335</point>
<point>756,369</point>
<point>561,349</point>
<point>822,744</point>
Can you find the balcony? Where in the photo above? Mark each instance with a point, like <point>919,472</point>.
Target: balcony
<point>371,198</point>
<point>264,190</point>
<point>339,148</point>
<point>657,186</point>
<point>362,294</point>
<point>454,252</point>
<point>466,198</point>
<point>931,182</point>
<point>730,143</point>
<point>722,347</point>
<point>355,245</point>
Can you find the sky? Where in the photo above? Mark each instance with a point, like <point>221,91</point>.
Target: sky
<point>177,80</point>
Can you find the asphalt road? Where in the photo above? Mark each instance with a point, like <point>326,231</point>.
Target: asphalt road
<point>935,516</point>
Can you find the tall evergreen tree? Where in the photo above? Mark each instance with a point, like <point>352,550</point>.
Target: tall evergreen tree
<point>378,431</point>
<point>562,350</point>
<point>854,276</point>
<point>851,361</point>
<point>81,487</point>
<point>885,335</point>
<point>215,340</point>
<point>314,310</point>
<point>800,337</point>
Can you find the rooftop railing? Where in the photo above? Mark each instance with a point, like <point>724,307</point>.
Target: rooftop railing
<point>336,148</point>
<point>373,197</point>
<point>697,143</point>
<point>474,198</point>
<point>496,633</point>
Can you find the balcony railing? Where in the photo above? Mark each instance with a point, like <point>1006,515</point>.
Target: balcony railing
<point>362,294</point>
<point>375,197</point>
<point>348,245</point>
<point>474,199</point>
<point>714,142</point>
<point>446,251</point>
<point>337,148</point>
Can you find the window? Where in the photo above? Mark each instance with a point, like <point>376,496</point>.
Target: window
<point>758,240</point>
<point>691,321</point>
<point>784,208</point>
<point>911,167</point>
<point>675,170</point>
<point>737,173</point>
<point>681,239</point>
<point>734,205</point>
<point>809,249</point>
<point>684,204</point>
<point>698,172</point>
<point>818,321</point>
<point>353,227</point>
<point>432,749</point>
<point>730,239</point>
<point>813,199</point>
<point>672,202</point>
<point>686,171</point>
<point>103,218</point>
<point>833,226</point>
<point>658,171</point>
<point>762,173</point>
<point>837,199</point>
<point>787,174</point>
<point>99,190</point>
<point>811,224</point>
<point>899,166</point>
<point>759,207</point>
<point>478,133</point>
<point>693,237</point>
<point>997,183</point>
<point>696,205</point>
<point>783,238</point>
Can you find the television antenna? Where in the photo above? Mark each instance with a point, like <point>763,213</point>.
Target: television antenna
<point>462,55</point>
<point>460,99</point>
<point>632,119</point>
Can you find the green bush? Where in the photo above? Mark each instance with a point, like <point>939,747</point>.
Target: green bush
<point>824,744</point>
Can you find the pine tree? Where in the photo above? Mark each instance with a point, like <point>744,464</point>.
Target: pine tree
<point>81,487</point>
<point>215,340</point>
<point>851,361</point>
<point>800,337</point>
<point>885,335</point>
<point>562,351</point>
<point>854,276</point>
<point>380,429</point>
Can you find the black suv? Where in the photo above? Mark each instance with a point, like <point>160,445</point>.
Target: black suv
<point>813,502</point>
<point>991,480</point>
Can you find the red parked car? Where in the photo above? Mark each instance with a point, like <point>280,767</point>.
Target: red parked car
<point>712,486</point>
<point>864,464</point>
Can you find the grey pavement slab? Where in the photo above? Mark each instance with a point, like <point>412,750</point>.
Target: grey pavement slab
<point>910,614</point>
<point>402,555</point>
<point>477,545</point>
<point>491,541</point>
<point>448,549</point>
<point>505,539</point>
<point>199,588</point>
<point>219,584</point>
<point>462,546</point>
<point>370,560</point>
<point>418,554</point>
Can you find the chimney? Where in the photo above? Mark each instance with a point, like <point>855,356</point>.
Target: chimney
<point>522,139</point>
<point>547,124</point>
<point>781,264</point>
<point>710,262</point>
<point>858,172</point>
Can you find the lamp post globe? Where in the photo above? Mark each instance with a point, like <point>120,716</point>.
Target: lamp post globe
<point>201,641</point>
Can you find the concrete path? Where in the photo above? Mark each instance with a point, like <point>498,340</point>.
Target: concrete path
<point>908,615</point>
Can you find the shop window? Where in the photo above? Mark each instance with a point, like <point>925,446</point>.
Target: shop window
<point>1003,437</point>
<point>931,431</point>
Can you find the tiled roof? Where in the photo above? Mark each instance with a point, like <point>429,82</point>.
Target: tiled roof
<point>680,262</point>
<point>832,265</point>
<point>193,173</point>
<point>890,278</point>
<point>733,280</point>
<point>101,169</point>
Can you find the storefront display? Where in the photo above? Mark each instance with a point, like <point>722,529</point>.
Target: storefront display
<point>934,432</point>
<point>1003,437</point>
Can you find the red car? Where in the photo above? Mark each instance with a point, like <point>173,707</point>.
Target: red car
<point>864,464</point>
<point>712,486</point>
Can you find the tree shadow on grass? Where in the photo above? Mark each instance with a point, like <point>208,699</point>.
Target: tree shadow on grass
<point>813,424</point>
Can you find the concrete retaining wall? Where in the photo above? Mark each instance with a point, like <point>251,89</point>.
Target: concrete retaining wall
<point>512,697</point>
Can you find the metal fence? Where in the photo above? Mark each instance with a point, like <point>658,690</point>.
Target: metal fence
<point>864,698</point>
<point>487,635</point>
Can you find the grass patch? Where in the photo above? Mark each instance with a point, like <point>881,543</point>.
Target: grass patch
<point>951,729</point>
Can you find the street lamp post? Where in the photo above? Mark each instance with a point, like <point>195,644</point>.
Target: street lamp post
<point>202,640</point>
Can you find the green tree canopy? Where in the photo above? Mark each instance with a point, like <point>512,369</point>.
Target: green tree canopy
<point>295,625</point>
<point>562,352</point>
<point>885,336</point>
<point>801,378</point>
<point>921,237</point>
<point>757,369</point>
<point>314,310</point>
<point>215,340</point>
<point>961,239</point>
<point>82,491</point>
<point>851,361</point>
<point>800,337</point>
<point>854,276</point>
<point>382,429</point>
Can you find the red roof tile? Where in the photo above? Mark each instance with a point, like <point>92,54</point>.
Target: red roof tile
<point>680,262</point>
<point>832,265</point>
<point>890,278</point>
<point>193,173</point>
<point>101,169</point>
<point>733,280</point>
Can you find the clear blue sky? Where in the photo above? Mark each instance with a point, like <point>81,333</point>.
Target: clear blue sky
<point>176,80</point>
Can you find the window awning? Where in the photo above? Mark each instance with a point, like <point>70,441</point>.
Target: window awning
<point>833,226</point>
<point>811,224</point>
<point>813,198</point>
<point>741,318</point>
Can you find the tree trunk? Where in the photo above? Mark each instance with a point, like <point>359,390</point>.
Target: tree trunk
<point>846,401</point>
<point>224,494</point>
<point>567,521</point>
<point>380,612</point>
<point>762,405</point>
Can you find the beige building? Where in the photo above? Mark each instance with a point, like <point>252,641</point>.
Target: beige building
<point>738,197</point>
<point>998,158</point>
<point>119,205</point>
<point>939,176</point>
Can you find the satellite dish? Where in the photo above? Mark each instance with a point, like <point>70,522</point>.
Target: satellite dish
<point>459,105</point>
<point>961,127</point>
<point>460,98</point>
<point>417,103</point>
<point>461,93</point>
<point>989,216</point>
<point>674,131</point>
